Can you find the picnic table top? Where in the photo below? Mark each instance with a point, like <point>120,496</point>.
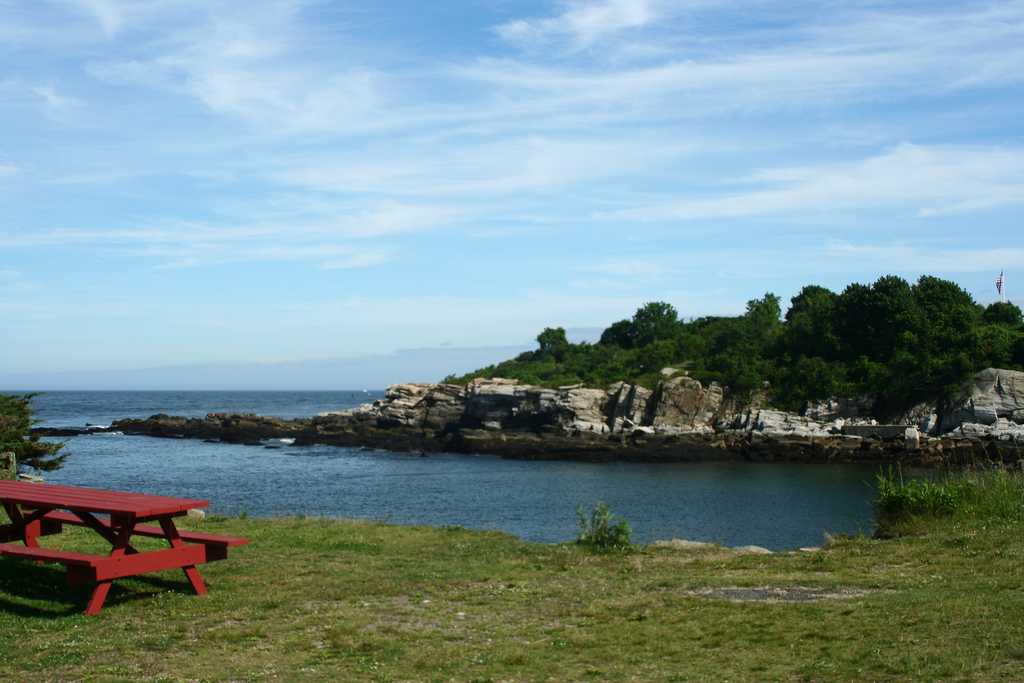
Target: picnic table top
<point>95,500</point>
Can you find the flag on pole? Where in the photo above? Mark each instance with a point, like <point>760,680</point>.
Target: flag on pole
<point>999,283</point>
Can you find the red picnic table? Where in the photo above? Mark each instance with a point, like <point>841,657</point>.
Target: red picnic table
<point>42,509</point>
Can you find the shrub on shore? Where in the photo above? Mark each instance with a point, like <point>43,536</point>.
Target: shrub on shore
<point>602,530</point>
<point>904,506</point>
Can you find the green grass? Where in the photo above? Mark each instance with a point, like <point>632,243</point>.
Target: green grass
<point>314,599</point>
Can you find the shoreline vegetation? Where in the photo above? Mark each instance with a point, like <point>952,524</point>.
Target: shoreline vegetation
<point>938,598</point>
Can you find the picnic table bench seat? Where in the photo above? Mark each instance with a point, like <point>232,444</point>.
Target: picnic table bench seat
<point>67,557</point>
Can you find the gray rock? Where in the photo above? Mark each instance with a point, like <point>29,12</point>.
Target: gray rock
<point>445,405</point>
<point>839,407</point>
<point>582,410</point>
<point>991,394</point>
<point>1002,430</point>
<point>752,550</point>
<point>776,423</point>
<point>683,544</point>
<point>682,403</point>
<point>627,406</point>
<point>911,439</point>
<point>404,404</point>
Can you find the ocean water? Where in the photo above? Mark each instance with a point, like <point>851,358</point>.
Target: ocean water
<point>779,506</point>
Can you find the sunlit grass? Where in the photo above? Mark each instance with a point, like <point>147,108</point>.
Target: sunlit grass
<point>315,599</point>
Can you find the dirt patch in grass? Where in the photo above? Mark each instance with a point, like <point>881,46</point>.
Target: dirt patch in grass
<point>779,593</point>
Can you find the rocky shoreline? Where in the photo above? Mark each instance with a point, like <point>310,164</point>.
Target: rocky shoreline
<point>678,420</point>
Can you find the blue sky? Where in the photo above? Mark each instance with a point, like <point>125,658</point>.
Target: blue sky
<point>200,181</point>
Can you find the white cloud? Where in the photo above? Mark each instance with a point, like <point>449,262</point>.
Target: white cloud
<point>250,60</point>
<point>8,169</point>
<point>583,22</point>
<point>535,164</point>
<point>109,14</point>
<point>930,179</point>
<point>924,258</point>
<point>56,105</point>
<point>325,255</point>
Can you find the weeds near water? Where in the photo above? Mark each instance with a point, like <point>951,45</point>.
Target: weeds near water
<point>602,530</point>
<point>901,504</point>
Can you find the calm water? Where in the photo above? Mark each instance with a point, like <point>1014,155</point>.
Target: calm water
<point>777,506</point>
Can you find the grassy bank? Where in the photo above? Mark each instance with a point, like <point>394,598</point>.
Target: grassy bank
<point>316,599</point>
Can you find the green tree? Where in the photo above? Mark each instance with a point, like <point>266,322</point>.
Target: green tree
<point>553,343</point>
<point>871,319</point>
<point>810,323</point>
<point>16,437</point>
<point>618,334</point>
<point>653,321</point>
<point>1003,313</point>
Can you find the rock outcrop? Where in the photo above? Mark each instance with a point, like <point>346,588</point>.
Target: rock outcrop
<point>990,395</point>
<point>679,420</point>
<point>682,404</point>
<point>627,406</point>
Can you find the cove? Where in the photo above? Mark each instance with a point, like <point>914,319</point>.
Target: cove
<point>778,506</point>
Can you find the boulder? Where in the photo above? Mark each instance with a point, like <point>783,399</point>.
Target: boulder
<point>1002,430</point>
<point>911,439</point>
<point>777,423</point>
<point>582,410</point>
<point>681,403</point>
<point>445,405</point>
<point>990,395</point>
<point>493,400</point>
<point>839,407</point>
<point>627,406</point>
<point>404,405</point>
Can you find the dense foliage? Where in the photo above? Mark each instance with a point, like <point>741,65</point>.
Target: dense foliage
<point>897,342</point>
<point>15,429</point>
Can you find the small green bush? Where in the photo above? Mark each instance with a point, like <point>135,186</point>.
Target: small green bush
<point>902,506</point>
<point>603,530</point>
<point>897,497</point>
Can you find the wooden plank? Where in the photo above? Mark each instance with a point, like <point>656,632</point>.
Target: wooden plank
<point>109,568</point>
<point>155,531</point>
<point>48,555</point>
<point>94,500</point>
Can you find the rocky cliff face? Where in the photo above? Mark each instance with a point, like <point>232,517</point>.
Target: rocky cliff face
<point>679,419</point>
<point>991,395</point>
<point>679,405</point>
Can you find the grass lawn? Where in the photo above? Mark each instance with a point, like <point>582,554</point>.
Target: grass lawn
<point>315,599</point>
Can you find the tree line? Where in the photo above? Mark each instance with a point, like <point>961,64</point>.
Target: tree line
<point>900,344</point>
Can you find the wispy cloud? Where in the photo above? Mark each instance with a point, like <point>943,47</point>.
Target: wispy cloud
<point>928,258</point>
<point>928,179</point>
<point>583,23</point>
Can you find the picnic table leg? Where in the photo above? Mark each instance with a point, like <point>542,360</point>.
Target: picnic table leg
<point>30,531</point>
<point>123,534</point>
<point>174,540</point>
